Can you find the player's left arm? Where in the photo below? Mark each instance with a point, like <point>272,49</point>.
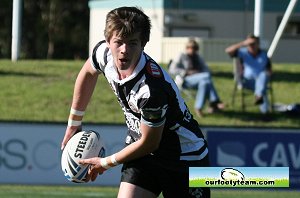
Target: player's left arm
<point>153,117</point>
<point>151,128</point>
<point>148,143</point>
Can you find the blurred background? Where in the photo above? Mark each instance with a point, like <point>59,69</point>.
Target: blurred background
<point>49,29</point>
<point>56,29</point>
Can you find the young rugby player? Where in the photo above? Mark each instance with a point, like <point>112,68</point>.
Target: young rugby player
<point>163,138</point>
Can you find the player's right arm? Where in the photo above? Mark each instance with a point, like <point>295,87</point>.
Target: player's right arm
<point>83,90</point>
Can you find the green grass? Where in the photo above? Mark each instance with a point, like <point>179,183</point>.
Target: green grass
<point>41,90</point>
<point>28,191</point>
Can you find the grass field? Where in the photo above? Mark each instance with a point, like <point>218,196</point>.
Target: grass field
<point>40,90</point>
<point>19,191</point>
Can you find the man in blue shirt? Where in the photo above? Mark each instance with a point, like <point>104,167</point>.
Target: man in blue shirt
<point>255,69</point>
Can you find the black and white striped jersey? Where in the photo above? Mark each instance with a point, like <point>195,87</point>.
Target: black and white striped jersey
<point>149,95</point>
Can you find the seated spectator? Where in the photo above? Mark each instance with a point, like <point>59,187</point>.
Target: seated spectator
<point>256,68</point>
<point>190,68</point>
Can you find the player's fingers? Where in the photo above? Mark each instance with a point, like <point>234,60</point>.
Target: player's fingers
<point>94,175</point>
<point>92,161</point>
<point>87,177</point>
<point>68,134</point>
<point>65,140</point>
<point>70,131</point>
<point>85,161</point>
<point>63,144</point>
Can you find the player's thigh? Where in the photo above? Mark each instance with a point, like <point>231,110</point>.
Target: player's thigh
<point>128,190</point>
<point>176,183</point>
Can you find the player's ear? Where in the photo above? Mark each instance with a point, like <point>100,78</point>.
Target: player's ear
<point>107,43</point>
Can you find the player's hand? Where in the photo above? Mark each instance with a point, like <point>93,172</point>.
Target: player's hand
<point>95,167</point>
<point>70,131</point>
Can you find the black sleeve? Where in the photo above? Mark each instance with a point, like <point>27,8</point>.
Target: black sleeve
<point>95,61</point>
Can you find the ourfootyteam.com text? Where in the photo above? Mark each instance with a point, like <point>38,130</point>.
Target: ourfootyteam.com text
<point>234,183</point>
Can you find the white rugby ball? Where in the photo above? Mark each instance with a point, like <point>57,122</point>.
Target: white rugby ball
<point>232,174</point>
<point>82,145</point>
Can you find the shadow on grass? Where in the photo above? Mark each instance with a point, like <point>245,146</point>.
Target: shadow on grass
<point>223,74</point>
<point>286,77</point>
<point>259,117</point>
<point>28,74</point>
<point>276,77</point>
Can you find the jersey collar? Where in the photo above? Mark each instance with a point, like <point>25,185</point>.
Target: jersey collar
<point>111,70</point>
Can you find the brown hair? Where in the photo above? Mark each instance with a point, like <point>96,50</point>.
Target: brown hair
<point>127,21</point>
<point>251,35</point>
<point>192,43</point>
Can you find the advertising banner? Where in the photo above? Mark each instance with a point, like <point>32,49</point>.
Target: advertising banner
<point>30,153</point>
<point>256,148</point>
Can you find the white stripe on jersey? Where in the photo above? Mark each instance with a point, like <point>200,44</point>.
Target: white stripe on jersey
<point>150,124</point>
<point>186,143</point>
<point>139,91</point>
<point>195,157</point>
<point>175,88</point>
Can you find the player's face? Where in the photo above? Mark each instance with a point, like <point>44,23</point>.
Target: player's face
<point>125,51</point>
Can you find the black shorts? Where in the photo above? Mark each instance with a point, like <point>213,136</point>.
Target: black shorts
<point>171,178</point>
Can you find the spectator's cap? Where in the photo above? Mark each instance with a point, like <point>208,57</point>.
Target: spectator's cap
<point>192,44</point>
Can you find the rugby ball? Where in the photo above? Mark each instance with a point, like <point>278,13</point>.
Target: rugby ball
<point>82,145</point>
<point>232,174</point>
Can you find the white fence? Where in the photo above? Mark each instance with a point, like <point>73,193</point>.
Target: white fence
<point>210,49</point>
